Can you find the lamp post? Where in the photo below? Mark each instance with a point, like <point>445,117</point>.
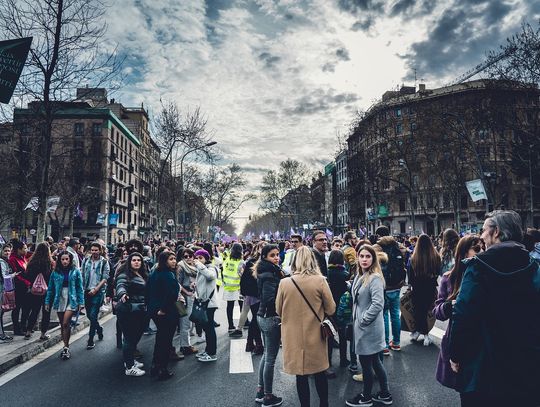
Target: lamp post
<point>183,195</point>
<point>107,209</point>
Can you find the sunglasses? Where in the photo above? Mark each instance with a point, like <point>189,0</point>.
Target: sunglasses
<point>188,256</point>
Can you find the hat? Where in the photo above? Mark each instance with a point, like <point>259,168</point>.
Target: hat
<point>204,253</point>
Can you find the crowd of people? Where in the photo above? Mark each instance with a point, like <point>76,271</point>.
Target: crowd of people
<point>307,297</point>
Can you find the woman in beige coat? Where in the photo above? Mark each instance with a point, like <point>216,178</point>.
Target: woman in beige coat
<point>303,344</point>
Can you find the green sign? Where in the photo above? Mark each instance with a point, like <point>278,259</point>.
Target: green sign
<point>13,55</point>
<point>382,211</point>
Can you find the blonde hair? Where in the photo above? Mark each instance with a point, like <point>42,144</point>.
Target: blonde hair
<point>304,263</point>
<point>375,267</point>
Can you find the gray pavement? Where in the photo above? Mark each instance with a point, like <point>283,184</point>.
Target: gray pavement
<point>96,378</point>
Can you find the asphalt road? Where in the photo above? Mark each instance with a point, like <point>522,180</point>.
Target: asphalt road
<point>96,378</point>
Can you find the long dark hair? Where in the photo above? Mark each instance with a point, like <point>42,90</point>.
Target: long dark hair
<point>425,261</point>
<point>336,258</point>
<point>209,247</point>
<point>162,261</point>
<point>265,250</point>
<point>129,271</point>
<point>41,259</point>
<point>450,239</point>
<point>456,274</point>
<point>237,251</point>
<point>59,267</point>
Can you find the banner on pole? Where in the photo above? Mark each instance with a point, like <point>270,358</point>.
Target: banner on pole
<point>52,204</point>
<point>476,190</point>
<point>13,55</point>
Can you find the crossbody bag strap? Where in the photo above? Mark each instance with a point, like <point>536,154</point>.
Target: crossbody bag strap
<point>306,300</point>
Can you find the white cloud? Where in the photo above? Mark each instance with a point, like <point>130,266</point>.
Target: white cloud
<point>257,70</point>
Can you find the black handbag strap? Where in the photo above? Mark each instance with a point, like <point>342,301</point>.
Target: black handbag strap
<point>306,300</point>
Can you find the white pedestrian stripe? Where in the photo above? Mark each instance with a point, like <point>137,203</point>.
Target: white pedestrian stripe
<point>236,312</point>
<point>239,360</point>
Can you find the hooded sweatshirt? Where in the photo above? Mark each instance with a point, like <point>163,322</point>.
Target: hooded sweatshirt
<point>495,333</point>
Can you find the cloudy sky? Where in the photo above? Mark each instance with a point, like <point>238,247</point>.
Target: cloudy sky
<point>280,78</point>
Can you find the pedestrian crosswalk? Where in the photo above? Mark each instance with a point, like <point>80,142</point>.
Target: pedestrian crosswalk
<point>240,361</point>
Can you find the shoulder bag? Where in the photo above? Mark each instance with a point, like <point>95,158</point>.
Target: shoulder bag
<point>198,313</point>
<point>328,331</point>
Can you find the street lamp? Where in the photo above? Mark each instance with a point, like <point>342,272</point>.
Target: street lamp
<point>210,144</point>
<point>107,209</point>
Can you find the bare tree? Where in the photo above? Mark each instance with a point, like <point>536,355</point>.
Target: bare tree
<point>67,51</point>
<point>223,191</point>
<point>179,134</point>
<point>285,182</point>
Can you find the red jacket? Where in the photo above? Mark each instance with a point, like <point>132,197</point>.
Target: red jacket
<point>18,264</point>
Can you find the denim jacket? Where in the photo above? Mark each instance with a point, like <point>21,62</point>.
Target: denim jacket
<point>75,289</point>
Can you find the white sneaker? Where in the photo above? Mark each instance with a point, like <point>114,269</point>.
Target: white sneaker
<point>207,358</point>
<point>414,336</point>
<point>138,365</point>
<point>427,340</point>
<point>200,353</point>
<point>134,371</point>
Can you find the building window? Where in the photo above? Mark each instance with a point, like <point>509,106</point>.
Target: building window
<point>79,129</point>
<point>398,111</point>
<point>413,126</point>
<point>402,205</point>
<point>399,128</point>
<point>96,129</point>
<point>464,201</point>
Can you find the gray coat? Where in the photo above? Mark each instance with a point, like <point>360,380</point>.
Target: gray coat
<point>206,283</point>
<point>368,322</point>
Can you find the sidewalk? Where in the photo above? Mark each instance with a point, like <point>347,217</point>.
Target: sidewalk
<point>20,350</point>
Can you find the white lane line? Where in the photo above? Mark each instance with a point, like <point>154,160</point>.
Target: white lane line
<point>437,332</point>
<point>239,360</point>
<point>16,371</point>
<point>236,312</point>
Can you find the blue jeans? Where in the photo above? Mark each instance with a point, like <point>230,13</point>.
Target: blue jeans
<point>271,335</point>
<point>391,306</point>
<point>92,305</point>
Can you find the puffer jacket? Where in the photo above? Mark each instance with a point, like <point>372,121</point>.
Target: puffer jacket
<point>268,277</point>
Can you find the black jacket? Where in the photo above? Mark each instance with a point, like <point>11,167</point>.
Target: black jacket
<point>162,292</point>
<point>495,332</point>
<point>394,271</point>
<point>268,277</point>
<point>321,261</point>
<point>248,283</point>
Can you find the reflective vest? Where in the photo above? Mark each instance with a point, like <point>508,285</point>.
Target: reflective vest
<point>231,279</point>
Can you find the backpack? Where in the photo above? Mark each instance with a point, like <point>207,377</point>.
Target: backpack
<point>40,286</point>
<point>344,310</point>
<point>394,272</point>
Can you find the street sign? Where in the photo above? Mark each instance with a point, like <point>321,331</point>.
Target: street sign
<point>32,232</point>
<point>120,233</point>
<point>170,222</point>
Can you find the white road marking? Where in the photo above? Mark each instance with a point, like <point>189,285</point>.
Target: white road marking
<point>437,332</point>
<point>236,311</point>
<point>16,371</point>
<point>239,360</point>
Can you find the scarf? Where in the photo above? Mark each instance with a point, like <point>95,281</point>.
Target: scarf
<point>190,271</point>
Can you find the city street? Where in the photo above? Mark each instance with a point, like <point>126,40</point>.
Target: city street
<point>96,378</point>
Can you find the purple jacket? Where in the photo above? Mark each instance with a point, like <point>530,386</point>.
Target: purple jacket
<point>445,375</point>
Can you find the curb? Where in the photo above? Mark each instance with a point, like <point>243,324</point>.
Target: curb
<point>27,352</point>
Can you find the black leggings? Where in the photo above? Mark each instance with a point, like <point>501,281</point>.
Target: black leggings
<point>321,384</point>
<point>254,332</point>
<point>230,308</point>
<point>370,363</point>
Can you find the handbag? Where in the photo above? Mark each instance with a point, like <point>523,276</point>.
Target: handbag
<point>8,301</point>
<point>8,283</point>
<point>40,286</point>
<point>407,313</point>
<point>181,308</point>
<point>198,313</point>
<point>328,331</point>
